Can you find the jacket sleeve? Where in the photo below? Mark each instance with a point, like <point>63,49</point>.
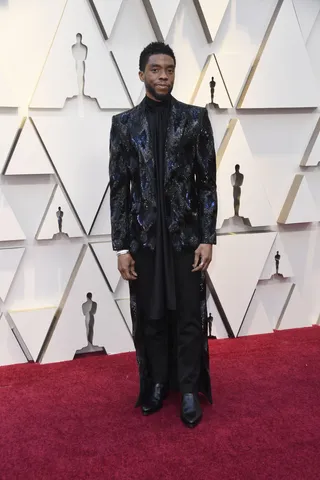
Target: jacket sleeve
<point>119,189</point>
<point>206,181</point>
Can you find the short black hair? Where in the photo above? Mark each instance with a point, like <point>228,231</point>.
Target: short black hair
<point>154,48</point>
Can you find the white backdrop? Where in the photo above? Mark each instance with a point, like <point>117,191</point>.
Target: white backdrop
<point>58,92</point>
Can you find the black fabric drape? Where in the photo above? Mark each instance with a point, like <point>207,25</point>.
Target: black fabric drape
<point>163,296</point>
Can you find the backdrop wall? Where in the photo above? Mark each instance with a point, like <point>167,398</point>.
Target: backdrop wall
<point>65,68</point>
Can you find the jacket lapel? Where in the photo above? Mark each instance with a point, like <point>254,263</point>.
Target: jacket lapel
<point>176,127</point>
<point>142,139</point>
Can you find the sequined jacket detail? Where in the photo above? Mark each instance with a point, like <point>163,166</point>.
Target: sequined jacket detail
<point>189,184</point>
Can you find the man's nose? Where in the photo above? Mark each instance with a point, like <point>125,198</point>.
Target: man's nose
<point>163,75</point>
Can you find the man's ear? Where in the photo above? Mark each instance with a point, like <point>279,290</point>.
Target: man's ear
<point>141,76</point>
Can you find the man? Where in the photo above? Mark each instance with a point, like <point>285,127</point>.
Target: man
<point>163,217</point>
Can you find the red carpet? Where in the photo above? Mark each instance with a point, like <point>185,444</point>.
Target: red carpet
<point>76,420</point>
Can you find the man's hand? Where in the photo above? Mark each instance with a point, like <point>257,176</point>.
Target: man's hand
<point>126,267</point>
<point>203,254</point>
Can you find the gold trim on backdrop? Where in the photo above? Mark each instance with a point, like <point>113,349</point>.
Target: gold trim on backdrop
<point>259,54</point>
<point>283,217</point>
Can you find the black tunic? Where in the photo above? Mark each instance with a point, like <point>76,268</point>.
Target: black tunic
<point>163,298</point>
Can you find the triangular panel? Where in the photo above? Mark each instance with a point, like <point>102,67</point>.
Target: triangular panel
<point>108,261</point>
<point>188,47</point>
<point>80,157</point>
<point>60,221</point>
<point>239,40</point>
<point>220,122</point>
<point>33,326</point>
<point>307,12</point>
<point>254,204</point>
<point>8,95</point>
<point>107,11</point>
<point>128,41</point>
<point>211,14</point>
<point>294,315</point>
<point>109,329</point>
<point>162,16</point>
<point>10,259</point>
<point>61,74</point>
<point>29,156</point>
<point>314,157</point>
<point>284,266</point>
<point>43,276</point>
<point>273,296</point>
<point>256,321</point>
<point>278,160</point>
<point>313,43</point>
<point>236,269</point>
<point>300,206</point>
<point>234,62</point>
<point>313,180</point>
<point>27,29</point>
<point>29,213</point>
<point>11,229</point>
<point>9,125</point>
<point>300,244</point>
<point>10,351</point>
<point>218,328</point>
<point>124,306</point>
<point>284,77</point>
<point>202,95</point>
<point>102,224</point>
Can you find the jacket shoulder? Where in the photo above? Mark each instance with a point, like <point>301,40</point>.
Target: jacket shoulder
<point>124,117</point>
<point>193,110</point>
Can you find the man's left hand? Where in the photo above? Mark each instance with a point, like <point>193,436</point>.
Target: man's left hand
<point>203,254</point>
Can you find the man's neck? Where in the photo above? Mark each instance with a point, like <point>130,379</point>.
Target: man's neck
<point>149,95</point>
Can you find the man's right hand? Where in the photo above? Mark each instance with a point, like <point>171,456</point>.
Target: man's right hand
<point>126,267</point>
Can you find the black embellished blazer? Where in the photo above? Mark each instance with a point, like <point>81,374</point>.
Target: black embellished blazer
<point>189,179</point>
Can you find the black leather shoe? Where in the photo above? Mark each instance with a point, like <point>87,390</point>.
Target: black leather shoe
<point>191,412</point>
<point>154,402</point>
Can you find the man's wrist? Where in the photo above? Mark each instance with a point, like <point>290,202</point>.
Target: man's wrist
<point>122,252</point>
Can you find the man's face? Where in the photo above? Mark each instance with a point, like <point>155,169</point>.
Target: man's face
<point>158,76</point>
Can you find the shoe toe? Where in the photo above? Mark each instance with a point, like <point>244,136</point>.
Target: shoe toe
<point>191,412</point>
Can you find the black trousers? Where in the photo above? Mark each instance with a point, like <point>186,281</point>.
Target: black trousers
<point>172,343</point>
